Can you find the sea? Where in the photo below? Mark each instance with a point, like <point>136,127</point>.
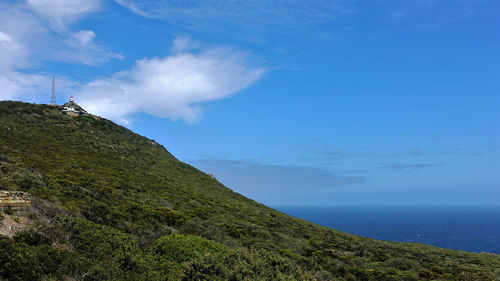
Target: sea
<point>472,229</point>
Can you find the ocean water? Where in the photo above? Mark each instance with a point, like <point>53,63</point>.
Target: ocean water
<point>473,229</point>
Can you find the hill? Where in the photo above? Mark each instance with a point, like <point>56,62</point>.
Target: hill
<point>108,204</point>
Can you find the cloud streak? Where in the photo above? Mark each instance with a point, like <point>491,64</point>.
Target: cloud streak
<point>250,176</point>
<point>405,167</point>
<point>259,15</point>
<point>60,13</point>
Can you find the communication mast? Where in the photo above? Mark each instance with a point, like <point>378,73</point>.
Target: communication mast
<point>53,95</point>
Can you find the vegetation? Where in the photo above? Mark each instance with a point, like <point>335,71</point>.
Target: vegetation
<point>109,204</point>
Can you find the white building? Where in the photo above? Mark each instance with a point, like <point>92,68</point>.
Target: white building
<point>73,109</point>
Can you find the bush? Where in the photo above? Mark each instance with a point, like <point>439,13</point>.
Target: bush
<point>13,177</point>
<point>22,262</point>
<point>181,248</point>
<point>244,264</point>
<point>97,240</point>
<point>402,263</point>
<point>117,252</point>
<point>31,238</point>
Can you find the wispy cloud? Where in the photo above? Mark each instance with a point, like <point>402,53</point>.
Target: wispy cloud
<point>424,152</point>
<point>60,13</point>
<point>327,153</point>
<point>81,48</point>
<point>431,14</point>
<point>286,30</point>
<point>253,20</point>
<point>409,167</point>
<point>30,30</point>
<point>251,176</point>
<point>279,12</point>
<point>134,8</point>
<point>174,86</point>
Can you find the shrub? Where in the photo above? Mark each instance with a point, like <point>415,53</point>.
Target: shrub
<point>31,237</point>
<point>402,263</point>
<point>244,264</point>
<point>19,261</point>
<point>181,248</point>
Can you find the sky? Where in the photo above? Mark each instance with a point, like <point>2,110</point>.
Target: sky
<point>288,102</point>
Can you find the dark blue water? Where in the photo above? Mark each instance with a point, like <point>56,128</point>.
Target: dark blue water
<point>473,229</point>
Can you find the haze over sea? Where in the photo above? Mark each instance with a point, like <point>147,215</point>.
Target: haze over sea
<point>473,229</point>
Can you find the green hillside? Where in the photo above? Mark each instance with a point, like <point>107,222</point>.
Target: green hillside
<point>109,204</point>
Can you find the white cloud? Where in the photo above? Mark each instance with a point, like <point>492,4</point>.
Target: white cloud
<point>183,44</point>
<point>28,40</point>
<point>84,38</point>
<point>17,85</point>
<point>4,38</point>
<point>11,52</point>
<point>36,41</point>
<point>171,87</point>
<point>18,31</point>
<point>132,7</point>
<point>175,86</point>
<point>59,13</point>
<point>80,48</point>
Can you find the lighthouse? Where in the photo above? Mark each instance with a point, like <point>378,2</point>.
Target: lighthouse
<point>73,109</point>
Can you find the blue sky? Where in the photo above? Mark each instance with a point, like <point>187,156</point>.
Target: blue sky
<point>288,102</point>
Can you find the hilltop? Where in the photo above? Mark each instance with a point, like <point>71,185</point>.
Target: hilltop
<point>109,204</point>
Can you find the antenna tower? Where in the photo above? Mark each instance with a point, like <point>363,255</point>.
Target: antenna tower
<point>53,95</point>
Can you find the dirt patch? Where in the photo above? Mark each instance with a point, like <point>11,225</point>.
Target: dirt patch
<point>11,224</point>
